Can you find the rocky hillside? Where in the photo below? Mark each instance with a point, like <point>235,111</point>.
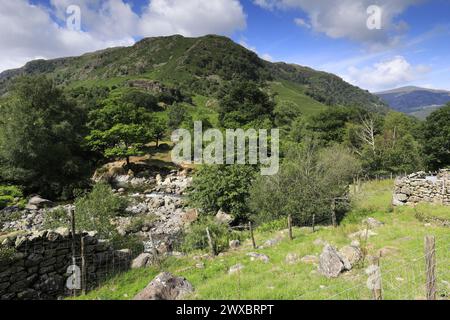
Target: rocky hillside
<point>196,65</point>
<point>414,100</point>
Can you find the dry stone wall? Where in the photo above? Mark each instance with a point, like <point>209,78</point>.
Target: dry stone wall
<point>35,265</point>
<point>423,187</point>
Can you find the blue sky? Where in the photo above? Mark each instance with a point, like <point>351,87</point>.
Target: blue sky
<point>411,48</point>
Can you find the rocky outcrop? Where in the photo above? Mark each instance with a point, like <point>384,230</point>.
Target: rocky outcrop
<point>37,263</point>
<point>166,286</point>
<point>332,263</point>
<point>422,187</point>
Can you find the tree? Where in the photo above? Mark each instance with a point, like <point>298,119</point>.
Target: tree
<point>177,115</point>
<point>141,100</point>
<point>436,139</point>
<point>121,141</point>
<point>245,103</point>
<point>223,187</point>
<point>307,182</point>
<point>41,133</point>
<point>158,130</point>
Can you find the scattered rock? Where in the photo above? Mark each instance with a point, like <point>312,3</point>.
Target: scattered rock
<point>200,265</point>
<point>310,259</point>
<point>373,223</point>
<point>362,234</point>
<point>38,202</point>
<point>292,258</point>
<point>166,287</point>
<point>319,242</point>
<point>223,217</point>
<point>271,242</point>
<point>332,263</point>
<point>352,253</point>
<point>236,268</point>
<point>388,251</point>
<point>234,244</point>
<point>142,261</point>
<point>258,257</point>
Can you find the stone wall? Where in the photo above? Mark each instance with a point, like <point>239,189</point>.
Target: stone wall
<point>423,187</point>
<point>35,265</point>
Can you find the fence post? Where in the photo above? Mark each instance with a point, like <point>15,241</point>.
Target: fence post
<point>377,290</point>
<point>430,261</point>
<point>314,223</point>
<point>83,267</point>
<point>72,231</point>
<point>252,235</point>
<point>210,243</point>
<point>290,227</point>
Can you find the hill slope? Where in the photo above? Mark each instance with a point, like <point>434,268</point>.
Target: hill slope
<point>414,100</point>
<point>196,65</point>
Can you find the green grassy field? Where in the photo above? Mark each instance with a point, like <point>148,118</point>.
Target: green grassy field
<point>403,269</point>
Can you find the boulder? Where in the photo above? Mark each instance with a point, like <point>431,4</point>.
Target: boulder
<point>236,268</point>
<point>142,261</point>
<point>362,234</point>
<point>372,223</point>
<point>258,257</point>
<point>387,251</point>
<point>37,202</point>
<point>234,244</point>
<point>292,258</point>
<point>332,263</point>
<point>223,217</point>
<point>310,259</point>
<point>166,286</point>
<point>352,253</point>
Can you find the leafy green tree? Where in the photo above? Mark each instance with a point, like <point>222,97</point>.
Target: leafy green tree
<point>223,187</point>
<point>158,130</point>
<point>245,104</point>
<point>177,115</point>
<point>307,182</point>
<point>141,100</point>
<point>121,141</point>
<point>436,139</point>
<point>41,133</point>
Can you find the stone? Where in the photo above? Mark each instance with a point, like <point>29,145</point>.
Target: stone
<point>310,259</point>
<point>236,268</point>
<point>190,216</point>
<point>200,265</point>
<point>39,202</point>
<point>223,217</point>
<point>331,263</point>
<point>142,261</point>
<point>258,257</point>
<point>271,242</point>
<point>234,244</point>
<point>352,253</point>
<point>319,242</point>
<point>388,251</point>
<point>166,286</point>
<point>292,258</point>
<point>362,234</point>
<point>372,223</point>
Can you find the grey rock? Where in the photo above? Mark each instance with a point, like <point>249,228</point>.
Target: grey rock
<point>166,287</point>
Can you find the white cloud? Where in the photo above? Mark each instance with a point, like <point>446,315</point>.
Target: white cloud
<point>29,31</point>
<point>302,23</point>
<point>386,74</point>
<point>348,18</point>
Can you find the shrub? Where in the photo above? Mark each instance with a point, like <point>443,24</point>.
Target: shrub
<point>96,210</point>
<point>196,237</point>
<point>56,218</point>
<point>8,194</point>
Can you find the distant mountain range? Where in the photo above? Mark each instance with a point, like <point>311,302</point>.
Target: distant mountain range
<point>416,101</point>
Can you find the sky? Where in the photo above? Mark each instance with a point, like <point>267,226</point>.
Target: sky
<point>374,44</point>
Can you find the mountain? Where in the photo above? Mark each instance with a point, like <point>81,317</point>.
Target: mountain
<point>414,100</point>
<point>195,65</point>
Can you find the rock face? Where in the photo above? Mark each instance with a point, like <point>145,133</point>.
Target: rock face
<point>142,261</point>
<point>332,263</point>
<point>422,187</point>
<point>166,287</point>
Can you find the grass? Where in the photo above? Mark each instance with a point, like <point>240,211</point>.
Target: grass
<point>402,271</point>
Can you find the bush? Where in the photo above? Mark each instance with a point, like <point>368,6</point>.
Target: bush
<point>223,187</point>
<point>96,210</point>
<point>196,237</point>
<point>8,194</point>
<point>56,218</point>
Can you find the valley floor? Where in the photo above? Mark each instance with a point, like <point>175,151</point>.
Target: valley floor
<point>400,239</point>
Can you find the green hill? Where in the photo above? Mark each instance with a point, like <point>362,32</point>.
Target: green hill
<point>197,66</point>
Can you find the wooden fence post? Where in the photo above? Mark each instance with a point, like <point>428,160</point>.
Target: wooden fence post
<point>210,243</point>
<point>377,286</point>
<point>314,223</point>
<point>83,267</point>
<point>430,262</point>
<point>290,227</point>
<point>252,235</point>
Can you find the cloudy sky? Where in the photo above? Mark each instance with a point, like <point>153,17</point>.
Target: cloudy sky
<point>411,48</point>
